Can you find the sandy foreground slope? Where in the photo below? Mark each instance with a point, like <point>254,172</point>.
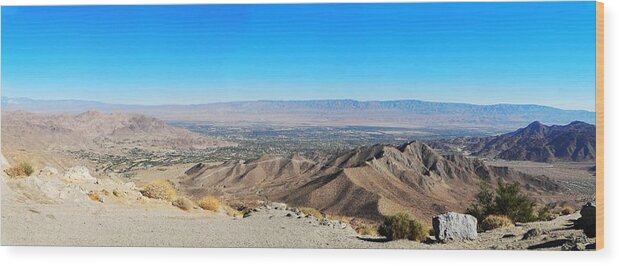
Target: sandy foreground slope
<point>54,209</point>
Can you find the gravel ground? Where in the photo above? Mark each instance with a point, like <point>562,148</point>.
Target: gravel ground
<point>29,217</point>
<point>160,225</point>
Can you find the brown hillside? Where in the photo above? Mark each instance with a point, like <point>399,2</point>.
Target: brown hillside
<point>366,182</point>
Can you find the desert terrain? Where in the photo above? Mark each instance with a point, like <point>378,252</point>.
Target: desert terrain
<point>52,209</point>
<point>278,184</point>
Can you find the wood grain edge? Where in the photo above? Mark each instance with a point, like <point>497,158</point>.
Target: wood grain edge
<point>599,122</point>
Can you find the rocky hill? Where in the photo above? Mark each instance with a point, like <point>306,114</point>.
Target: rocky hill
<point>366,182</point>
<point>536,142</point>
<point>38,137</point>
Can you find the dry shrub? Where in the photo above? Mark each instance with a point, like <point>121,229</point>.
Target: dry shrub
<point>209,203</point>
<point>230,211</point>
<point>337,217</point>
<point>23,169</point>
<point>183,203</point>
<point>366,230</point>
<point>312,212</point>
<point>93,195</point>
<point>567,210</point>
<point>402,226</point>
<point>159,189</point>
<point>496,221</point>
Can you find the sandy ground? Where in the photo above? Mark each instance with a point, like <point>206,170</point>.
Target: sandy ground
<point>46,210</point>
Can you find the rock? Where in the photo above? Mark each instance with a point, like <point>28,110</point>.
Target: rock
<point>587,220</point>
<point>78,174</point>
<point>532,233</point>
<point>453,226</point>
<point>131,185</point>
<point>48,171</point>
<point>326,222</point>
<point>575,244</point>
<point>278,205</point>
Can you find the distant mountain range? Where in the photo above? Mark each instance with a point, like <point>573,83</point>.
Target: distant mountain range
<point>536,142</point>
<point>401,113</point>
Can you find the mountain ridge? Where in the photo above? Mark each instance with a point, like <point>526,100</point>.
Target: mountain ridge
<point>366,182</point>
<point>535,142</point>
<point>402,113</point>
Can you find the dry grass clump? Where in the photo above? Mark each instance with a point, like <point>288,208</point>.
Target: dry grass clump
<point>402,226</point>
<point>93,195</point>
<point>337,217</point>
<point>567,210</point>
<point>183,203</point>
<point>230,211</point>
<point>23,169</point>
<point>496,221</point>
<point>366,230</point>
<point>209,203</point>
<point>159,189</point>
<point>312,212</point>
<point>117,193</point>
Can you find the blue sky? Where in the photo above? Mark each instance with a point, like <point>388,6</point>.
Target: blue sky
<point>484,53</point>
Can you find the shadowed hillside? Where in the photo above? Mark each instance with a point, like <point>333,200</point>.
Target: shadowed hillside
<point>366,182</point>
<point>536,142</point>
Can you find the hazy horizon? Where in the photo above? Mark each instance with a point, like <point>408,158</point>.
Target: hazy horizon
<point>282,100</point>
<point>539,53</point>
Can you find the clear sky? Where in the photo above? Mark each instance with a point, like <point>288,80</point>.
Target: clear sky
<point>485,53</point>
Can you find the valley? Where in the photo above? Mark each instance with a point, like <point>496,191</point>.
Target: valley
<point>360,174</point>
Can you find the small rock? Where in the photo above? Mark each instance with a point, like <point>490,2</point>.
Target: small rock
<point>131,185</point>
<point>279,205</point>
<point>532,233</point>
<point>48,171</point>
<point>571,246</point>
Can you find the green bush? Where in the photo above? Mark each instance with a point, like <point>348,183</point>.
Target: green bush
<point>402,226</point>
<point>544,214</point>
<point>507,200</point>
<point>511,202</point>
<point>484,202</point>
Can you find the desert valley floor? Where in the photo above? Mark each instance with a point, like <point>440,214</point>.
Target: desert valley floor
<point>89,172</point>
